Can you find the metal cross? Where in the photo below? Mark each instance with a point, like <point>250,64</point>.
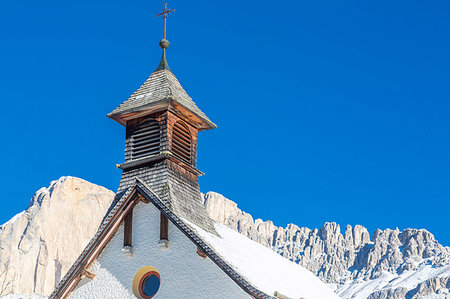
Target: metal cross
<point>163,14</point>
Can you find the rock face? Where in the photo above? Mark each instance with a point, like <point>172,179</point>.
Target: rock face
<point>39,245</point>
<point>356,264</point>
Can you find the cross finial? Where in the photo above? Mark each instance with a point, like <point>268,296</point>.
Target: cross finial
<point>164,14</point>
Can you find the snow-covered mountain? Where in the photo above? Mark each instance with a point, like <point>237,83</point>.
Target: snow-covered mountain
<point>390,264</point>
<point>38,246</point>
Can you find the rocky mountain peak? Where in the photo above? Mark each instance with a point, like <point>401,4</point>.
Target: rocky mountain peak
<point>341,259</point>
<point>39,245</point>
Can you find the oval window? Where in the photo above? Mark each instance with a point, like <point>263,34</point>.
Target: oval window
<point>146,282</point>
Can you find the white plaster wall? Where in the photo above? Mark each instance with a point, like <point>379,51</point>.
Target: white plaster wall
<point>184,274</point>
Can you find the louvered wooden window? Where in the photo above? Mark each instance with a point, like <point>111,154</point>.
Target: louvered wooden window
<point>181,142</point>
<point>145,140</point>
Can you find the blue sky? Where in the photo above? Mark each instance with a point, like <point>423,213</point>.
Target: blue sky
<point>326,111</point>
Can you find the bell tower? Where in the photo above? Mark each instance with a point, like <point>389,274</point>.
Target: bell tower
<point>162,122</point>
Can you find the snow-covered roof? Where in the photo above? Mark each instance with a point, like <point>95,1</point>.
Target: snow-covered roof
<point>262,267</point>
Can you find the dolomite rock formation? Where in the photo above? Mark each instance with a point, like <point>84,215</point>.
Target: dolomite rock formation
<point>38,246</point>
<point>437,287</point>
<point>350,259</point>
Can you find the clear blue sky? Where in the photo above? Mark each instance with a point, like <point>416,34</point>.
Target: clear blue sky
<point>326,110</point>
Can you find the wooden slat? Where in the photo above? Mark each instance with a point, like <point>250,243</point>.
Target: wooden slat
<point>144,146</point>
<point>140,129</point>
<point>182,139</point>
<point>181,158</point>
<point>182,130</point>
<point>145,139</point>
<point>182,150</point>
<point>182,146</point>
<point>181,142</point>
<point>145,154</point>
<point>138,140</point>
<point>146,134</point>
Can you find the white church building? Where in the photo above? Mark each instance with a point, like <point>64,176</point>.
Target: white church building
<point>156,240</point>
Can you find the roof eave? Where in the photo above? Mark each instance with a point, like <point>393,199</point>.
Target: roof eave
<point>123,116</point>
<point>131,113</point>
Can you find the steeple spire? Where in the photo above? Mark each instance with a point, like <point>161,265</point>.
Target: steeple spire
<point>164,43</point>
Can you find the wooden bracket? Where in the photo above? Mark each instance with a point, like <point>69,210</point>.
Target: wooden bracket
<point>140,197</point>
<point>201,253</point>
<point>86,273</point>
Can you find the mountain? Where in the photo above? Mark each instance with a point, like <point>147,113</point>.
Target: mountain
<point>390,264</point>
<point>39,245</point>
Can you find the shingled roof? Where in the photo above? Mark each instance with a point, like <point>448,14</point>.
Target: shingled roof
<point>161,86</point>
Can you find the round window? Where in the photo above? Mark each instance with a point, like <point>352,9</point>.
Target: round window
<point>146,282</point>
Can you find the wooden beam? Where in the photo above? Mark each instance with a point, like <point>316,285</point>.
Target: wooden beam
<point>128,229</point>
<point>164,228</point>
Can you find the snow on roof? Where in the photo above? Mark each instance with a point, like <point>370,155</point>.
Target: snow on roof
<point>262,267</point>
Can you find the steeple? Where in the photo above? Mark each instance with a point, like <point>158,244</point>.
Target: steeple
<point>161,91</point>
<point>162,123</point>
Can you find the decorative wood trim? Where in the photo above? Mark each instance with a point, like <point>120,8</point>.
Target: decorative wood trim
<point>164,228</point>
<point>140,197</point>
<point>128,229</point>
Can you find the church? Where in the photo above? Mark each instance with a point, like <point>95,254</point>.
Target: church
<point>156,240</point>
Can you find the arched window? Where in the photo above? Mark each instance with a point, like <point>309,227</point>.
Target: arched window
<point>181,142</point>
<point>145,139</point>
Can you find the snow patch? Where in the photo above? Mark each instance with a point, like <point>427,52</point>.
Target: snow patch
<point>360,289</point>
